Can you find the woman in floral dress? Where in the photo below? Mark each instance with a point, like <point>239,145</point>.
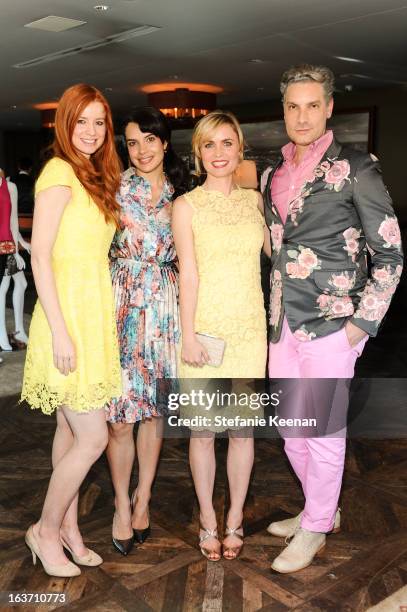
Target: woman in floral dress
<point>145,286</point>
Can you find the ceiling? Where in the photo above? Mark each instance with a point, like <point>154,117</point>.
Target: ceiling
<point>204,41</point>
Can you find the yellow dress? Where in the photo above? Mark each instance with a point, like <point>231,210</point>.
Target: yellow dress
<point>228,237</point>
<point>81,270</point>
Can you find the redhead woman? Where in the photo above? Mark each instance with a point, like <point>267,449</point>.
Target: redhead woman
<point>72,364</point>
<point>219,233</point>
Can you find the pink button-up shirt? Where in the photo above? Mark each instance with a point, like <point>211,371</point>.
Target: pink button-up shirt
<point>289,178</point>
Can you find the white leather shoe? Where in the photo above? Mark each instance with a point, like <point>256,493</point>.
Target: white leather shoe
<point>300,552</point>
<point>288,527</point>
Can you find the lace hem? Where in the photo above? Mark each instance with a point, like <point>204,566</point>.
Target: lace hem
<point>40,396</point>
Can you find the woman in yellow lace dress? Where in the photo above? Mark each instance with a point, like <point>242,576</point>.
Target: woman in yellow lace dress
<point>219,232</point>
<point>72,360</point>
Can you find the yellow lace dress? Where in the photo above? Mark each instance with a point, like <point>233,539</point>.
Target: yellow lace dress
<point>228,237</point>
<point>81,270</point>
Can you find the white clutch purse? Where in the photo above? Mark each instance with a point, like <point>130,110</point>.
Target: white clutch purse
<point>214,346</point>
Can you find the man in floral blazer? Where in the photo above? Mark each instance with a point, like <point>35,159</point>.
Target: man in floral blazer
<point>326,207</point>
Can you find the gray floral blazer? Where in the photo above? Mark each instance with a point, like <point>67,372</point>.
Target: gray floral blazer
<point>319,275</point>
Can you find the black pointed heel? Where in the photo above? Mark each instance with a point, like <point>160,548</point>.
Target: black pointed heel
<point>141,535</point>
<point>123,546</point>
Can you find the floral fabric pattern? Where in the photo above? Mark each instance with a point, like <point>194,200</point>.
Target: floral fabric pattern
<point>334,173</point>
<point>352,236</point>
<point>276,231</point>
<point>303,335</point>
<point>275,298</point>
<point>377,295</point>
<point>320,266</point>
<point>296,206</point>
<point>390,232</point>
<point>333,306</point>
<point>145,287</point>
<point>342,282</point>
<point>305,262</point>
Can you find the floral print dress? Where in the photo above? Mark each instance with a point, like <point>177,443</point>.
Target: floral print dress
<point>145,287</point>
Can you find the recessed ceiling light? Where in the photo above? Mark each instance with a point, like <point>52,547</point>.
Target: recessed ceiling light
<point>108,88</point>
<point>101,7</point>
<point>53,23</point>
<point>349,59</point>
<point>13,107</point>
<point>256,61</point>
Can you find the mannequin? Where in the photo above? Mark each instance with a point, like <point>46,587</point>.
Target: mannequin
<point>18,276</point>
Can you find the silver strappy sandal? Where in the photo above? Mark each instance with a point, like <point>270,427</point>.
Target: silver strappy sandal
<point>235,550</point>
<point>209,533</point>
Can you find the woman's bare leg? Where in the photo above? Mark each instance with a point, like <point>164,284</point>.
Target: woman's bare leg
<point>203,467</point>
<point>120,453</point>
<point>149,443</point>
<point>63,440</point>
<point>239,466</point>
<point>89,441</point>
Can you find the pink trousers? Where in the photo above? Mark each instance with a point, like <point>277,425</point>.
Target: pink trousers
<point>318,462</point>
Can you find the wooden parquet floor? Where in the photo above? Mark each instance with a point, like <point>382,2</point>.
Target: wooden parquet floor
<point>360,566</point>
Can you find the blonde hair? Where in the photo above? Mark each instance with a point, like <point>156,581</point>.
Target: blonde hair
<point>308,72</point>
<point>206,126</point>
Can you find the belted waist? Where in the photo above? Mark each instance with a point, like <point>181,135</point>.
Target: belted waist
<point>144,263</point>
<point>143,280</point>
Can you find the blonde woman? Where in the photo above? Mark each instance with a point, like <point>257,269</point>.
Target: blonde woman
<point>219,233</point>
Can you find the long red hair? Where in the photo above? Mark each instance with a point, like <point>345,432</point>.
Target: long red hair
<point>100,175</point>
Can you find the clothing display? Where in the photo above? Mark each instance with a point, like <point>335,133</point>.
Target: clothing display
<point>11,266</point>
<point>7,245</point>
